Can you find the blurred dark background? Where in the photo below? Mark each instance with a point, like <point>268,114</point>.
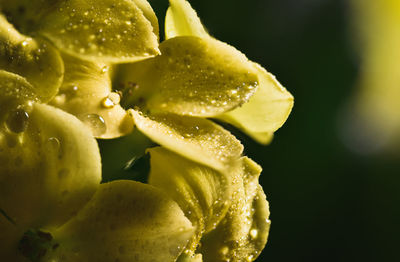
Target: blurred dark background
<point>327,203</point>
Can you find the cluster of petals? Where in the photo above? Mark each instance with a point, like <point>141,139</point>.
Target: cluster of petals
<point>74,71</point>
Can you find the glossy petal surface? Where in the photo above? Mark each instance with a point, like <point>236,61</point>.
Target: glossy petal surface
<point>124,221</point>
<point>203,193</point>
<point>86,93</point>
<point>35,59</point>
<point>49,166</point>
<point>243,233</point>
<point>193,76</point>
<point>197,139</point>
<point>266,110</point>
<point>182,20</point>
<point>111,30</point>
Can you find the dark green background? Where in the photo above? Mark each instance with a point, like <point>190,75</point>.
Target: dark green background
<point>327,204</point>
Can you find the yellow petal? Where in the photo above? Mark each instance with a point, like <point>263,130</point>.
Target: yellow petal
<point>266,111</point>
<point>35,59</point>
<point>86,93</point>
<point>182,20</point>
<point>112,30</point>
<point>49,166</point>
<point>124,221</point>
<point>203,193</point>
<point>189,258</point>
<point>243,233</point>
<point>193,76</point>
<point>148,12</point>
<point>194,138</point>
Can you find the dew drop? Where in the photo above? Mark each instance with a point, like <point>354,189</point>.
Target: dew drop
<point>54,145</point>
<point>17,121</point>
<point>107,103</point>
<point>253,233</point>
<point>104,69</point>
<point>96,123</point>
<point>224,250</point>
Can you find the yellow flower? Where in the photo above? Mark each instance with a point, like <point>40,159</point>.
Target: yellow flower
<point>94,69</point>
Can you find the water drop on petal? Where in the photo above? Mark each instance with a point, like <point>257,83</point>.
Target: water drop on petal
<point>96,123</point>
<point>253,233</point>
<point>17,121</point>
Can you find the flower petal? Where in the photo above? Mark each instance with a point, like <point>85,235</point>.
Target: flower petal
<point>261,137</point>
<point>243,233</point>
<point>189,258</point>
<point>197,139</point>
<point>193,76</point>
<point>34,59</point>
<point>148,12</point>
<point>266,110</point>
<point>49,166</point>
<point>203,193</point>
<point>112,30</point>
<point>86,93</point>
<point>182,20</point>
<point>124,221</point>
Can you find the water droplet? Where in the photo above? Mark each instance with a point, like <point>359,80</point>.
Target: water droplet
<point>17,121</point>
<point>107,103</point>
<point>105,68</point>
<point>96,123</point>
<point>253,233</point>
<point>224,250</point>
<point>54,145</point>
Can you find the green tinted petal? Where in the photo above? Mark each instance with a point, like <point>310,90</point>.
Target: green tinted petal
<point>266,111</point>
<point>49,166</point>
<point>195,138</point>
<point>86,93</point>
<point>34,59</point>
<point>193,76</point>
<point>112,30</point>
<point>124,221</point>
<point>243,232</point>
<point>203,193</point>
<point>182,20</point>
